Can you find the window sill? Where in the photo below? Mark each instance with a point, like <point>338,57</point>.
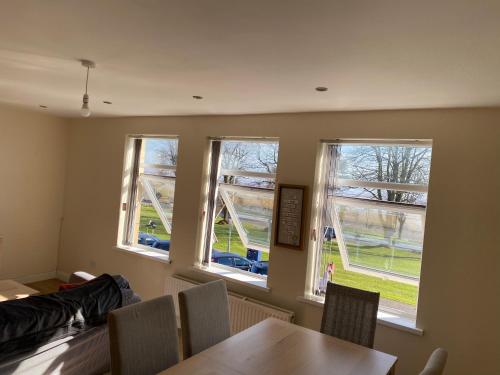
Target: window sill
<point>149,254</point>
<point>384,318</point>
<point>240,278</point>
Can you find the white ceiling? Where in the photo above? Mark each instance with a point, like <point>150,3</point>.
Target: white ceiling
<point>249,56</point>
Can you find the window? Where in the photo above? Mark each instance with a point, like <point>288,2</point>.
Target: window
<point>150,193</point>
<point>372,220</point>
<point>240,204</point>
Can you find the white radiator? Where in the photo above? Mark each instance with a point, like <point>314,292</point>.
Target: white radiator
<point>244,312</point>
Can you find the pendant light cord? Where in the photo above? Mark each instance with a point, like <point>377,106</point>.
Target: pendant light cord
<point>87,80</point>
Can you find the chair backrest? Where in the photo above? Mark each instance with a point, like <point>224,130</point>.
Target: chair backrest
<point>143,337</point>
<point>436,362</point>
<point>204,311</point>
<point>350,314</point>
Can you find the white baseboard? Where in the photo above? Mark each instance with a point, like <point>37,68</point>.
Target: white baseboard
<point>36,277</point>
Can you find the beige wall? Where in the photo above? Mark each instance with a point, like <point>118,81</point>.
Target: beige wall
<point>460,288</point>
<point>32,178</point>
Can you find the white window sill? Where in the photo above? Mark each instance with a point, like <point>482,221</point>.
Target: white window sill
<point>384,318</point>
<point>149,254</point>
<point>237,277</point>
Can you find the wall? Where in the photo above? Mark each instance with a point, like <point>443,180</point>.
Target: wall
<point>32,178</point>
<point>459,291</point>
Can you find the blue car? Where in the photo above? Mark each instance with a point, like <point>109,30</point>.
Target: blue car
<point>162,245</point>
<point>260,267</point>
<point>147,239</point>
<point>329,233</point>
<point>231,260</point>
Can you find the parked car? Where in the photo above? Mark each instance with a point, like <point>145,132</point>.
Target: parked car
<point>147,239</point>
<point>260,267</point>
<point>329,233</point>
<point>231,260</point>
<point>162,245</point>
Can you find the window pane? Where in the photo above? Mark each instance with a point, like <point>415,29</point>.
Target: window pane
<point>394,296</point>
<point>380,194</point>
<point>149,212</point>
<point>373,221</point>
<point>244,202</point>
<point>384,163</point>
<point>254,211</point>
<point>160,151</point>
<point>249,156</point>
<point>160,192</point>
<point>382,240</point>
<point>150,225</point>
<point>162,172</point>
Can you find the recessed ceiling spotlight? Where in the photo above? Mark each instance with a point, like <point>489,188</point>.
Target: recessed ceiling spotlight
<point>197,97</point>
<point>107,102</point>
<point>321,88</point>
<point>43,106</point>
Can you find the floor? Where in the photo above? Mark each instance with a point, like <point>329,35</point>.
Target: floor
<point>46,286</point>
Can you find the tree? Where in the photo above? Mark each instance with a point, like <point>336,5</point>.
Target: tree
<point>268,156</point>
<point>394,164</point>
<point>167,153</point>
<point>234,156</point>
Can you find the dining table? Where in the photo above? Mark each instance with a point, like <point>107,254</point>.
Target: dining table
<point>275,347</point>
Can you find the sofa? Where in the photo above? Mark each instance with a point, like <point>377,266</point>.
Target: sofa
<point>80,345</point>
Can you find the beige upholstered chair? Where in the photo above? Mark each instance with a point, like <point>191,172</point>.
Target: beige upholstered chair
<point>436,362</point>
<point>143,337</point>
<point>350,314</point>
<point>204,314</point>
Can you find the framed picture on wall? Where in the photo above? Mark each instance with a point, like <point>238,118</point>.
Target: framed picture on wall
<point>290,217</point>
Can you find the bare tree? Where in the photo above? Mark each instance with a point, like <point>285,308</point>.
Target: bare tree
<point>167,154</point>
<point>395,164</point>
<point>234,156</point>
<point>268,157</point>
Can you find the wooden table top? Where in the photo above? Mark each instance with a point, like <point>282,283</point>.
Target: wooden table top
<point>10,289</point>
<point>277,347</point>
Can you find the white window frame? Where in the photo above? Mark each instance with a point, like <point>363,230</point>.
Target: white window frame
<point>215,189</point>
<point>386,315</point>
<point>132,176</point>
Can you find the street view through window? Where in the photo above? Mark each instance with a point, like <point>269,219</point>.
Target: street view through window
<point>152,198</point>
<point>373,220</point>
<point>242,212</point>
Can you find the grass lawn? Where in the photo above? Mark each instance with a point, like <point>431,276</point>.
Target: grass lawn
<point>388,289</point>
<point>149,213</point>
<point>229,240</point>
<point>384,258</point>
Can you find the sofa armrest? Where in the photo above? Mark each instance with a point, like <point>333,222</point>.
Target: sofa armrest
<point>80,277</point>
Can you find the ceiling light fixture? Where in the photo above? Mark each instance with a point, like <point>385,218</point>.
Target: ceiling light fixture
<point>321,88</point>
<point>107,102</point>
<point>197,97</point>
<point>43,106</point>
<point>85,105</point>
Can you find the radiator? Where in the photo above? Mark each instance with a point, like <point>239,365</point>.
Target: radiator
<point>244,312</point>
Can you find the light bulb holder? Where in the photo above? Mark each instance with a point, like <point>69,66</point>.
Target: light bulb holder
<point>85,111</point>
<point>88,63</point>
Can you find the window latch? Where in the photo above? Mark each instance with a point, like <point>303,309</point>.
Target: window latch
<point>124,206</point>
<point>313,234</point>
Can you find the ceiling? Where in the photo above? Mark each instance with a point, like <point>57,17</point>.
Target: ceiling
<point>249,56</point>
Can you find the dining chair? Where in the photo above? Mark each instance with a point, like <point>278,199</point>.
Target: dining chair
<point>143,337</point>
<point>350,314</point>
<point>436,362</point>
<point>204,312</point>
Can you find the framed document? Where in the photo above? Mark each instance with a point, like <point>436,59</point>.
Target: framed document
<point>290,216</point>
